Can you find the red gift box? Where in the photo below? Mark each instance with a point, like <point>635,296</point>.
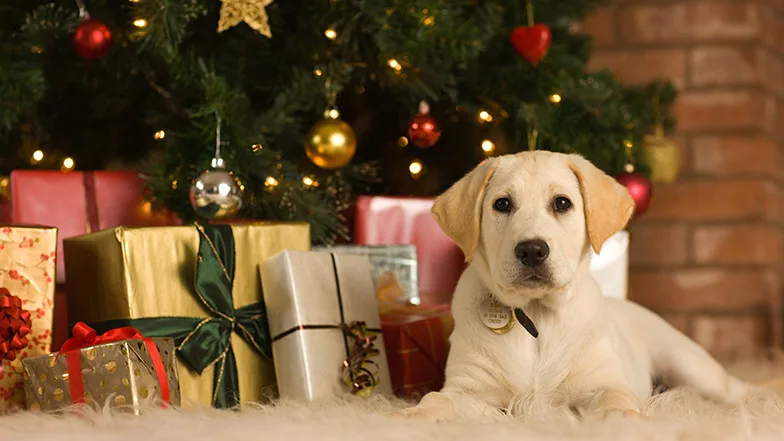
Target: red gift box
<point>389,220</point>
<point>416,351</point>
<point>78,203</point>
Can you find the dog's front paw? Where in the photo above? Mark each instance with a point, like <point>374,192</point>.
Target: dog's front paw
<point>434,408</point>
<point>612,413</point>
<point>417,413</point>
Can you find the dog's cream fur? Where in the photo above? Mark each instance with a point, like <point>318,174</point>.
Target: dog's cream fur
<point>594,355</point>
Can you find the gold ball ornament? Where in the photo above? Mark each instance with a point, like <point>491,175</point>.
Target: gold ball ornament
<point>331,142</point>
<point>662,155</point>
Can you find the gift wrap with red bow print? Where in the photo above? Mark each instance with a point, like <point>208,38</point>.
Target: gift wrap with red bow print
<point>119,368</point>
<point>27,270</point>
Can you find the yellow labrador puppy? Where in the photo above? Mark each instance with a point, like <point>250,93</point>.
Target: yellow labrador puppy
<point>533,333</point>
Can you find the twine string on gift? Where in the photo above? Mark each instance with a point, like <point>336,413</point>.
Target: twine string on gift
<point>15,324</point>
<point>359,370</point>
<point>84,337</point>
<point>203,342</point>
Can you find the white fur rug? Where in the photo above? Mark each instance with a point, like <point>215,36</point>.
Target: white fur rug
<point>675,415</point>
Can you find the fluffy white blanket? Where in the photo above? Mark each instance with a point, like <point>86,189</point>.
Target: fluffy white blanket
<point>674,415</point>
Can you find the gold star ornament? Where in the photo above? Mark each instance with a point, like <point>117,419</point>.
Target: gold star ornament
<point>252,12</point>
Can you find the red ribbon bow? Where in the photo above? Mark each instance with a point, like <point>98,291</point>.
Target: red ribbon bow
<point>15,324</point>
<point>84,336</point>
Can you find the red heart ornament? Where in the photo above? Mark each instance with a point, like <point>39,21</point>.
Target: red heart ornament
<point>532,43</point>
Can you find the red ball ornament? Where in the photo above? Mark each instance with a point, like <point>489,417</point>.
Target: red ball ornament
<point>15,324</point>
<point>640,189</point>
<point>423,130</point>
<point>92,39</point>
<point>531,42</point>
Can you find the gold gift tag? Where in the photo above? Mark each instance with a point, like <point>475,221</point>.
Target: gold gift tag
<point>496,316</point>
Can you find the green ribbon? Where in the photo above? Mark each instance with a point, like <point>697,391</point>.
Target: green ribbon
<point>204,341</point>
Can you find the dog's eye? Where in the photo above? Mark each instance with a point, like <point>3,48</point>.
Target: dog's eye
<point>502,204</point>
<point>561,204</point>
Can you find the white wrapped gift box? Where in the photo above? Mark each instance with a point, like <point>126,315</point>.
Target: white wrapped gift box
<point>610,268</point>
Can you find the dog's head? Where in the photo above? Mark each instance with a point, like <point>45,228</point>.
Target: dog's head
<point>529,220</point>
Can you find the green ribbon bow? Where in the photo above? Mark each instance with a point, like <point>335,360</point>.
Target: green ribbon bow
<point>204,341</point>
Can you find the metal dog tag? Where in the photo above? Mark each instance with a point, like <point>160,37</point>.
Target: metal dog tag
<point>496,316</point>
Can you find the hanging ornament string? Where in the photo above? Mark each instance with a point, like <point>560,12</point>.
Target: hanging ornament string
<point>332,95</point>
<point>83,14</point>
<point>529,9</point>
<point>627,146</point>
<point>217,161</point>
<point>533,134</point>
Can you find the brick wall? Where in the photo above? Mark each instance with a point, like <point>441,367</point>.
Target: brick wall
<point>708,254</point>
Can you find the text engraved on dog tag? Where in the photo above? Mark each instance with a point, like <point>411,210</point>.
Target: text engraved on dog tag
<point>496,316</point>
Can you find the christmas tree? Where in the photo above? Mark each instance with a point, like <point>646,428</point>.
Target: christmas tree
<point>309,101</point>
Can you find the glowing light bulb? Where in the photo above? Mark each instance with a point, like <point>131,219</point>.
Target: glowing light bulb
<point>394,64</point>
<point>333,113</point>
<point>555,98</point>
<point>628,144</point>
<point>160,134</point>
<point>38,155</point>
<point>488,146</point>
<point>271,182</point>
<point>415,168</point>
<point>331,34</point>
<point>68,163</point>
<point>485,116</point>
<point>140,23</point>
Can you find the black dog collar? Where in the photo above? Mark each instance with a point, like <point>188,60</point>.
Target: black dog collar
<point>526,322</point>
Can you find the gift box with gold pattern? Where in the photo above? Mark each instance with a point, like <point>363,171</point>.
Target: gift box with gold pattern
<point>197,284</point>
<point>27,274</point>
<point>128,374</point>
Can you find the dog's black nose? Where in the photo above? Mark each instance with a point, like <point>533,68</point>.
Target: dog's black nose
<point>532,252</point>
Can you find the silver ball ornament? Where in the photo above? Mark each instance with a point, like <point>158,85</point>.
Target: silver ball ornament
<point>216,194</point>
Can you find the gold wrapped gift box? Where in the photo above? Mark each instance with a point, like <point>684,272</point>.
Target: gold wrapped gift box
<point>120,375</point>
<point>137,273</point>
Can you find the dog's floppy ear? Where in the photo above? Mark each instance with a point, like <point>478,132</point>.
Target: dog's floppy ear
<point>459,209</point>
<point>608,205</point>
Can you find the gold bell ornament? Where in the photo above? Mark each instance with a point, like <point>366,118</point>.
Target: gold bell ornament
<point>662,155</point>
